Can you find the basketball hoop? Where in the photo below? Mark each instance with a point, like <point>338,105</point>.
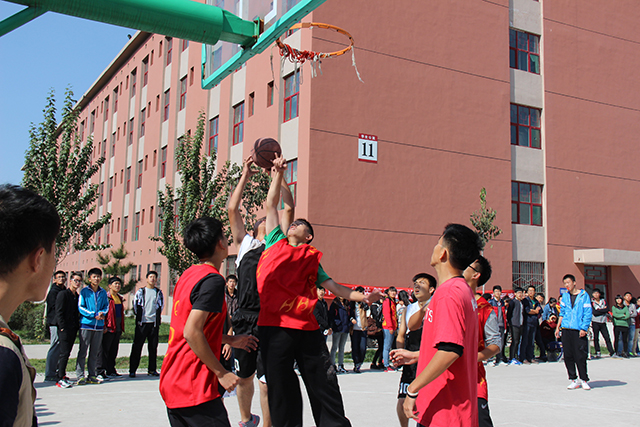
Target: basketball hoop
<point>315,58</point>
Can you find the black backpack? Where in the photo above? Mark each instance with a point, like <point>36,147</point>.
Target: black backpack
<point>376,313</point>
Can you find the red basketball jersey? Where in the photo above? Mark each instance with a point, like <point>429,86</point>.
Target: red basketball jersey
<point>286,278</point>
<point>184,380</point>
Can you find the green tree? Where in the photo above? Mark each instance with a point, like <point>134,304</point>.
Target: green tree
<point>204,192</point>
<point>113,265</point>
<point>483,219</point>
<point>58,167</point>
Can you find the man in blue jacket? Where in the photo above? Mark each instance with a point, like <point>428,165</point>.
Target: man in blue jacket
<point>575,318</point>
<point>93,305</point>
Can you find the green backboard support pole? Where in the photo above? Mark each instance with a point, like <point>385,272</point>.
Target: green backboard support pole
<point>184,19</point>
<point>266,39</point>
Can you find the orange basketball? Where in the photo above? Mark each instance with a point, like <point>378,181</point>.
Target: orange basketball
<point>265,151</point>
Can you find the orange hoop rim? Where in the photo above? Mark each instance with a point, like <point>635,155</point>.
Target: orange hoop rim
<point>286,50</point>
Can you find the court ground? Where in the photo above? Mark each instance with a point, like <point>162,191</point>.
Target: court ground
<point>518,396</point>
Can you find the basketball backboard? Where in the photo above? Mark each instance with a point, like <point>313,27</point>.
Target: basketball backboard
<point>223,58</point>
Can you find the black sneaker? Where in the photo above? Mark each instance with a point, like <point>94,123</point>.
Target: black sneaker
<point>51,379</point>
<point>153,374</point>
<point>132,374</point>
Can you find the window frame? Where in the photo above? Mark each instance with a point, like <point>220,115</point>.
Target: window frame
<point>163,162</point>
<point>515,51</point>
<point>516,126</point>
<point>140,171</point>
<point>291,97</point>
<point>214,129</point>
<point>145,71</point>
<point>518,204</point>
<point>169,54</point>
<point>183,93</point>
<point>238,123</point>
<point>166,105</point>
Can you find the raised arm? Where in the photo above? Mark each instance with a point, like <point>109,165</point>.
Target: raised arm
<point>349,294</point>
<point>235,219</point>
<point>289,208</point>
<point>273,196</point>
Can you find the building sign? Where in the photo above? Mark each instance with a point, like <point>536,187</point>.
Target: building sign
<point>367,148</point>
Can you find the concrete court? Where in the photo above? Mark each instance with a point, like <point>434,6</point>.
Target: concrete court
<point>519,396</point>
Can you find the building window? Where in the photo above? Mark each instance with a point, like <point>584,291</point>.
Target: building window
<point>151,214</point>
<point>92,121</point>
<point>132,91</point>
<point>185,45</point>
<point>140,166</point>
<point>110,196</point>
<point>165,113</point>
<point>251,101</point>
<point>143,116</point>
<point>163,162</point>
<point>291,178</point>
<point>115,100</point>
<point>270,94</point>
<point>125,228</point>
<point>526,203</point>
<point>106,109</point>
<point>130,137</point>
<point>527,273</point>
<point>169,50</point>
<point>128,179</point>
<point>525,126</point>
<point>524,51</point>
<point>142,218</point>
<point>238,123</point>
<point>136,229</point>
<point>160,219</point>
<point>183,93</point>
<point>101,190</point>
<point>145,71</point>
<point>213,135</point>
<point>291,92</point>
<point>113,145</point>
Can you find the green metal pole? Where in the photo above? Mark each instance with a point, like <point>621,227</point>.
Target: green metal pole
<point>19,19</point>
<point>184,19</point>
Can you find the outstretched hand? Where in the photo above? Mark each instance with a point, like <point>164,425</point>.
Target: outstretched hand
<point>247,170</point>
<point>373,297</point>
<point>402,356</point>
<point>279,163</point>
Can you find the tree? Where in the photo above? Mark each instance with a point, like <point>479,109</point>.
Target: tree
<point>58,167</point>
<point>113,265</point>
<point>204,192</point>
<point>483,219</point>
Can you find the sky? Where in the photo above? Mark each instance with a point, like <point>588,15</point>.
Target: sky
<point>51,52</point>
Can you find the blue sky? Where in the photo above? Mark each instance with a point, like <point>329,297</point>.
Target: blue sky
<point>52,51</point>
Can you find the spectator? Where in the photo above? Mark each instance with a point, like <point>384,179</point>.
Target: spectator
<point>575,318</point>
<point>599,322</point>
<point>29,225</point>
<point>93,305</point>
<point>147,305</point>
<point>359,315</point>
<point>68,321</point>
<point>389,325</point>
<point>530,309</point>
<point>541,345</point>
<point>634,344</point>
<point>550,308</point>
<point>620,313</point>
<point>374,331</point>
<point>403,303</point>
<point>630,302</point>
<point>515,320</point>
<point>339,320</point>
<point>322,313</point>
<point>113,328</point>
<point>59,281</point>
<point>499,308</point>
<point>548,329</point>
<point>231,295</point>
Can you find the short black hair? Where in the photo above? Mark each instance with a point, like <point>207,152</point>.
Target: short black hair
<point>28,222</point>
<point>552,300</point>
<point>404,297</point>
<point>569,276</point>
<point>597,290</point>
<point>540,294</point>
<point>256,225</point>
<point>76,273</point>
<point>485,270</point>
<point>115,279</point>
<point>498,287</point>
<point>201,236</point>
<point>307,224</point>
<point>517,289</point>
<point>486,296</point>
<point>531,286</point>
<point>628,293</point>
<point>391,288</point>
<point>94,270</point>
<point>152,273</point>
<point>463,245</point>
<point>358,289</point>
<point>59,272</point>
<point>232,276</point>
<point>432,280</point>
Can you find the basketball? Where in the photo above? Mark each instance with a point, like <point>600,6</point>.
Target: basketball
<point>265,151</point>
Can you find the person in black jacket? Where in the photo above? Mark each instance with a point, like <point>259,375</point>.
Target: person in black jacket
<point>147,305</point>
<point>322,313</point>
<point>600,308</point>
<point>68,321</point>
<point>59,282</point>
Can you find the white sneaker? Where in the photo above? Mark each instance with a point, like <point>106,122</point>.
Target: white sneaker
<point>585,385</point>
<point>573,385</point>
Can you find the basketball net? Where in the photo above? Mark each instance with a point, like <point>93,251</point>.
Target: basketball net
<point>299,57</point>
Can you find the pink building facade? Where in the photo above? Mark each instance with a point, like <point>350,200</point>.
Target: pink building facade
<point>533,101</point>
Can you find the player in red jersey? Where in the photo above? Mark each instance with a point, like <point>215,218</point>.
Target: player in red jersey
<point>489,337</point>
<point>192,379</point>
<point>288,275</point>
<point>445,391</point>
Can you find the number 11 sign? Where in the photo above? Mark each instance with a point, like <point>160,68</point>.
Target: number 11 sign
<point>367,148</point>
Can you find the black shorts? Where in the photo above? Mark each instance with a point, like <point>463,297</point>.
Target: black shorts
<point>408,375</point>
<point>212,413</point>
<point>484,417</point>
<point>247,362</point>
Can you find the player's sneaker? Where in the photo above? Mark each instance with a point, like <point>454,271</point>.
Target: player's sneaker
<point>102,378</point>
<point>94,380</point>
<point>515,362</point>
<point>585,385</point>
<point>389,369</point>
<point>81,381</point>
<point>253,422</point>
<point>64,383</point>
<point>573,385</point>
